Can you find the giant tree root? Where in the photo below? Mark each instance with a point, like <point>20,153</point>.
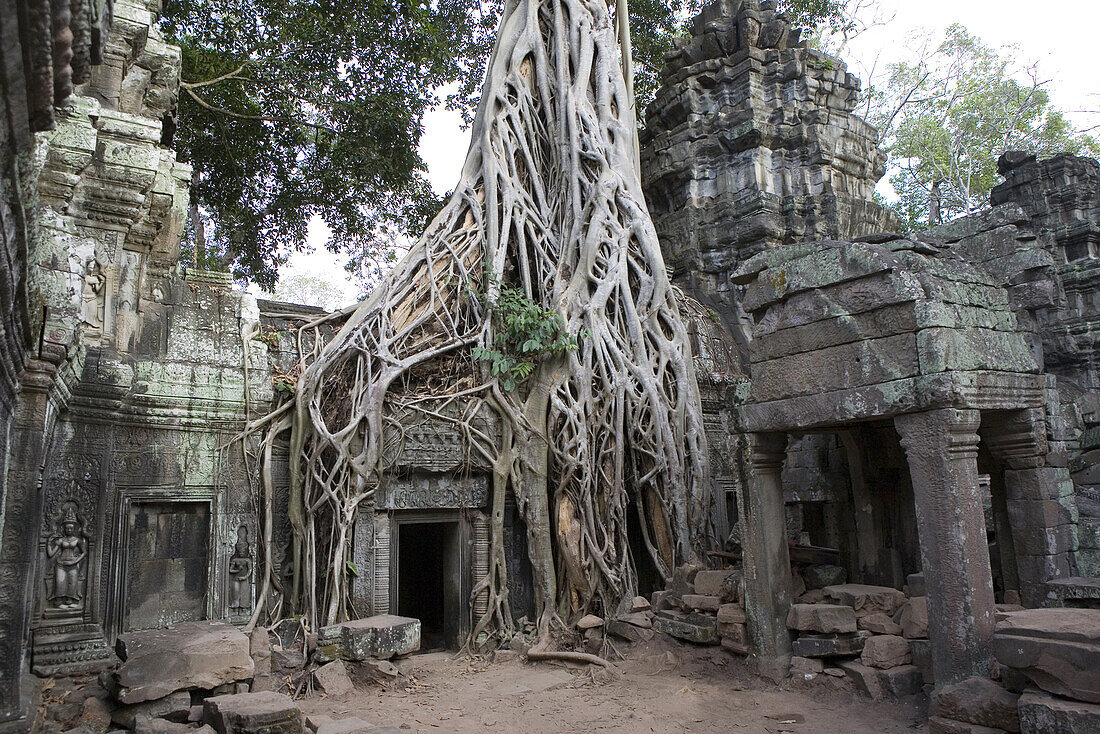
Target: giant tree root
<point>549,202</point>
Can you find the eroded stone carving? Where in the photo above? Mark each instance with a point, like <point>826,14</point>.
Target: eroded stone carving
<point>67,550</point>
<point>240,574</point>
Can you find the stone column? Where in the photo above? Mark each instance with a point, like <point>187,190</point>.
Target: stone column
<point>1039,501</point>
<point>942,449</point>
<point>766,558</point>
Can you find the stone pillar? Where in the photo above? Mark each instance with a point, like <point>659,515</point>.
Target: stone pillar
<point>942,449</point>
<point>1039,501</point>
<point>766,557</point>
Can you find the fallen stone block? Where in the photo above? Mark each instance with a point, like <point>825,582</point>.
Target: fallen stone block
<point>1058,649</point>
<point>350,725</point>
<point>735,637</point>
<point>589,621</point>
<point>333,679</point>
<point>701,603</point>
<point>880,624</point>
<point>315,721</point>
<point>639,604</point>
<point>820,576</point>
<point>1042,713</point>
<point>731,614</point>
<point>714,583</point>
<point>630,632</point>
<point>95,714</point>
<point>385,669</point>
<point>683,579</point>
<point>380,636</point>
<point>735,646</point>
<point>866,680</point>
<point>813,596</point>
<point>187,656</point>
<point>176,706</point>
<point>253,713</point>
<point>806,667</point>
<point>979,701</point>
<point>693,627</point>
<point>913,618</point>
<point>903,680</point>
<point>152,725</point>
<point>885,651</point>
<point>866,599</point>
<point>259,648</point>
<point>827,646</point>
<point>644,620</point>
<point>821,618</point>
<point>940,725</point>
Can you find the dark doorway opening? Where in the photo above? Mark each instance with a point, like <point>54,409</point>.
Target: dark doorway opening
<point>429,581</point>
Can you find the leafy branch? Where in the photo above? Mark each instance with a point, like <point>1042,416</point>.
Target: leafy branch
<point>526,334</point>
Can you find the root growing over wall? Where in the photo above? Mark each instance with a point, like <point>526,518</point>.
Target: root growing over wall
<point>549,202</point>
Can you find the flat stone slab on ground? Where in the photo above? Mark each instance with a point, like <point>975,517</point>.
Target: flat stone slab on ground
<point>979,701</point>
<point>187,656</point>
<point>866,599</point>
<point>253,713</point>
<point>350,725</point>
<point>176,706</point>
<point>1042,713</point>
<point>941,725</point>
<point>697,628</point>
<point>333,678</point>
<point>380,636</point>
<point>1058,649</point>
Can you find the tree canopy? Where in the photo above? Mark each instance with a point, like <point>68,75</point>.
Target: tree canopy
<point>291,109</point>
<point>946,117</point>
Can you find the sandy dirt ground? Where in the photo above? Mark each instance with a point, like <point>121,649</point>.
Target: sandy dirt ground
<point>662,686</point>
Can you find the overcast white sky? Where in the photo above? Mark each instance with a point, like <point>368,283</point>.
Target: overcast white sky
<point>1061,35</point>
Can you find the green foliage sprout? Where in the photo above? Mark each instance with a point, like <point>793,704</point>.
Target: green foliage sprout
<point>526,333</point>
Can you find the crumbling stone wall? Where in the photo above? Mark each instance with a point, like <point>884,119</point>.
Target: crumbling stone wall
<point>752,142</point>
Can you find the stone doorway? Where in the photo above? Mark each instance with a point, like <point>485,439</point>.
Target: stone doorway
<point>431,578</point>
<point>167,561</point>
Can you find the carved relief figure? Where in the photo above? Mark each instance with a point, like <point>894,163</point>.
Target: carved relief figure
<point>126,316</point>
<point>91,298</point>
<point>67,548</point>
<point>240,574</point>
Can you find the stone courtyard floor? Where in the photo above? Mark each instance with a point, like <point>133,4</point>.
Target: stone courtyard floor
<point>662,686</point>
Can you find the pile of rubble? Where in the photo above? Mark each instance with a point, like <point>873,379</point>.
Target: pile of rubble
<point>876,636</point>
<point>1047,674</point>
<point>704,607</point>
<point>633,626</point>
<point>207,677</point>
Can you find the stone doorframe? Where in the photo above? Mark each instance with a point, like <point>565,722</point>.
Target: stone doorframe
<point>219,538</point>
<point>941,447</point>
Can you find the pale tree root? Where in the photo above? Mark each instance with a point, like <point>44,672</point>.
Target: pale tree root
<point>549,204</point>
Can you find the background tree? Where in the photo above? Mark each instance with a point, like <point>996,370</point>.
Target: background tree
<point>311,289</point>
<point>296,108</point>
<point>947,116</point>
<point>291,109</point>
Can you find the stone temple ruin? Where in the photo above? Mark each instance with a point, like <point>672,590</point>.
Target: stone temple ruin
<point>904,428</point>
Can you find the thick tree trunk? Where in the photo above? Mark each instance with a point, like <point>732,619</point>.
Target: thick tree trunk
<point>549,202</point>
